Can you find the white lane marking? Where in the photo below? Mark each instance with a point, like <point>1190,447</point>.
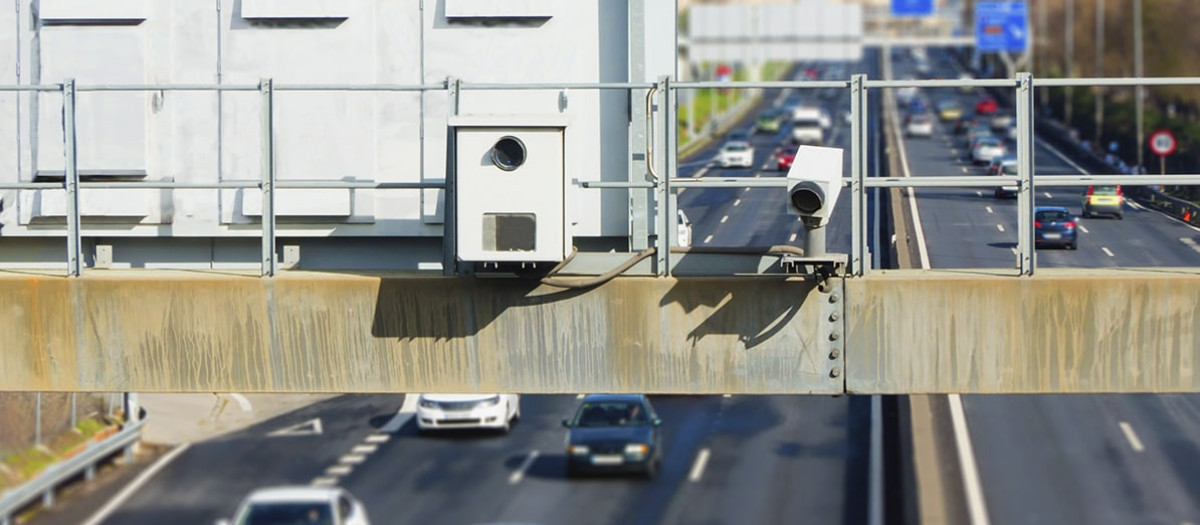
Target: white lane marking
<point>1048,195</point>
<point>1132,437</point>
<point>324,481</point>
<point>912,197</point>
<point>519,474</point>
<point>989,209</point>
<point>723,219</point>
<point>964,168</point>
<point>581,396</point>
<point>702,171</point>
<point>135,485</point>
<point>407,410</point>
<point>1082,228</point>
<point>242,402</point>
<point>698,467</point>
<point>875,477</point>
<point>338,470</point>
<point>1107,251</point>
<point>708,239</point>
<point>737,202</point>
<point>1060,155</point>
<point>311,427</point>
<point>793,238</point>
<point>976,507</point>
<point>364,449</point>
<point>1190,243</point>
<point>378,438</point>
<point>979,194</point>
<point>1000,227</point>
<point>727,396</point>
<point>352,459</point>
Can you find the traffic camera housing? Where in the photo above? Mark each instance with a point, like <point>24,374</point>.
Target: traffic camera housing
<point>814,182</point>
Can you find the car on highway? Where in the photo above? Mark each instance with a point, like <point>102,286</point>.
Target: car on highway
<point>986,106</point>
<point>1054,226</point>
<point>784,159</point>
<point>999,161</point>
<point>1106,200</point>
<point>292,505</point>
<point>949,109</point>
<point>985,148</point>
<point>919,126</point>
<point>683,227</point>
<point>736,153</point>
<point>769,121</point>
<point>1002,121</point>
<point>1008,190</point>
<point>614,433</point>
<point>460,411</point>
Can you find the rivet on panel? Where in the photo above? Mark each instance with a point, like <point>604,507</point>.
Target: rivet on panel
<point>835,372</point>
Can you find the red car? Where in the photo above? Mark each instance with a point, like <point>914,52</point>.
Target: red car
<point>785,160</point>
<point>986,106</point>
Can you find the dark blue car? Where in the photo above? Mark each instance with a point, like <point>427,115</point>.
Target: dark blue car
<point>1054,226</point>
<point>614,433</point>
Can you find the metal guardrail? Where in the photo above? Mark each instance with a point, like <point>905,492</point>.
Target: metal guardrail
<point>45,484</point>
<point>662,93</point>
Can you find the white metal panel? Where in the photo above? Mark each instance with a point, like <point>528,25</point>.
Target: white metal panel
<point>534,188</point>
<point>507,8</point>
<point>294,9</point>
<point>300,202</point>
<point>96,202</point>
<point>91,10</point>
<point>111,126</point>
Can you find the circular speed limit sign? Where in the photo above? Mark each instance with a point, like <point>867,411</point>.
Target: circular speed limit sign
<point>1162,142</point>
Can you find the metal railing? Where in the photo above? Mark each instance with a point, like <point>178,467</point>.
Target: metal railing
<point>45,484</point>
<point>664,92</point>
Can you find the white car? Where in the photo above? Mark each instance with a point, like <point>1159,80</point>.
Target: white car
<point>736,153</point>
<point>984,148</point>
<point>298,504</point>
<point>919,126</point>
<point>455,411</point>
<point>685,229</point>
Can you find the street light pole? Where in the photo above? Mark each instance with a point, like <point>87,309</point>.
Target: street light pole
<point>1099,71</point>
<point>1140,92</point>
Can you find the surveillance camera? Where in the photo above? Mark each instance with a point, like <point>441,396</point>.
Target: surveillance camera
<point>814,182</point>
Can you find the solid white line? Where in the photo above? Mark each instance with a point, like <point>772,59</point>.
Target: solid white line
<point>976,507</point>
<point>912,198</point>
<point>406,412</point>
<point>989,209</point>
<point>698,466</point>
<point>242,402</point>
<point>1132,437</point>
<point>1083,229</point>
<point>875,477</point>
<point>1000,227</point>
<point>737,202</point>
<point>792,238</point>
<point>518,474</point>
<point>723,219</point>
<point>1060,155</point>
<point>1107,251</point>
<point>707,239</point>
<point>137,483</point>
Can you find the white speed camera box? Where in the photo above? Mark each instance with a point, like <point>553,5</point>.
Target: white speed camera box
<point>509,186</point>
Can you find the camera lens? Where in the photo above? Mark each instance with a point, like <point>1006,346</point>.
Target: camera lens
<point>509,153</point>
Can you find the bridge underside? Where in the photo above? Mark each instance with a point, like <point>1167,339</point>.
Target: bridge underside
<point>968,331</point>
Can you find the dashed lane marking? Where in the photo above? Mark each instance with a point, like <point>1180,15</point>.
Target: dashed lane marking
<point>989,209</point>
<point>723,219</point>
<point>737,202</point>
<point>352,459</point>
<point>1083,228</point>
<point>1000,227</point>
<point>1048,195</point>
<point>519,474</point>
<point>1132,436</point>
<point>708,239</point>
<point>1107,251</point>
<point>364,449</point>
<point>338,470</point>
<point>698,467</point>
<point>792,238</point>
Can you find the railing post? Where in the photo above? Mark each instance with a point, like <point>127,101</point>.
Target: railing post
<point>859,258</point>
<point>269,260</point>
<point>449,191</point>
<point>665,210</point>
<point>71,181</point>
<point>1027,256</point>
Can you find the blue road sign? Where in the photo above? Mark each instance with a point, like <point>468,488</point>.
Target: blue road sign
<point>1001,26</point>
<point>912,7</point>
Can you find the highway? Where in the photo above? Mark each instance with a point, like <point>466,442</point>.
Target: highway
<point>1055,459</point>
<point>752,459</point>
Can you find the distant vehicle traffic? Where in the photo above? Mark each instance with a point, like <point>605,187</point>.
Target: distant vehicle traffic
<point>299,505</point>
<point>809,124</point>
<point>784,159</point>
<point>984,148</point>
<point>949,109</point>
<point>1107,200</point>
<point>769,121</point>
<point>1008,190</point>
<point>736,154</point>
<point>986,106</point>
<point>999,161</point>
<point>919,126</point>
<point>458,411</point>
<point>684,229</point>
<point>614,432</point>
<point>1054,226</point>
